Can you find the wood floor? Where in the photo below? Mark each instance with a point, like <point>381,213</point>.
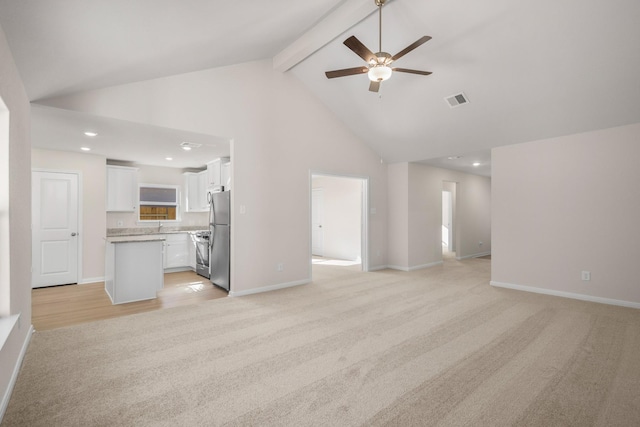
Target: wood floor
<point>60,306</point>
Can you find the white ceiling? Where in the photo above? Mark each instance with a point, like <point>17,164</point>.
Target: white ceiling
<point>67,46</point>
<point>531,70</point>
<point>63,130</point>
<point>464,163</point>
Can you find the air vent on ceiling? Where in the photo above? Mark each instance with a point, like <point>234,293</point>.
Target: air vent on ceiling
<point>457,100</point>
<point>190,145</point>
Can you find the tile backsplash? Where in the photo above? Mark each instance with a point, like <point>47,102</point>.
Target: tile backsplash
<point>129,220</point>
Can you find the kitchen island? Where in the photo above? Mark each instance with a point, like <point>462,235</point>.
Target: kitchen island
<point>134,268</point>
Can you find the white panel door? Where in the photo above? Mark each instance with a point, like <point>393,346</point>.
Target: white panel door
<point>317,233</point>
<point>54,207</point>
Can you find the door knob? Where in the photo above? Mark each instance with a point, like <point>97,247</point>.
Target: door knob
<point>74,234</point>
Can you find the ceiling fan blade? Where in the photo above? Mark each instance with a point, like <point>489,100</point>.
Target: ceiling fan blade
<point>374,86</point>
<point>346,72</point>
<point>361,50</point>
<point>422,40</point>
<point>407,70</point>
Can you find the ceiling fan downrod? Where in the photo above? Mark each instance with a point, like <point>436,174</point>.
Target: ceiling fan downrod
<point>380,3</point>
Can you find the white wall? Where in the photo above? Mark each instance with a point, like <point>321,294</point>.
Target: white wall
<point>160,175</point>
<point>398,214</point>
<point>342,211</point>
<point>280,132</point>
<point>421,244</point>
<point>568,204</point>
<point>15,99</point>
<point>93,177</point>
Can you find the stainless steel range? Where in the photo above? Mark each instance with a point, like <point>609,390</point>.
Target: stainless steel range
<point>202,239</point>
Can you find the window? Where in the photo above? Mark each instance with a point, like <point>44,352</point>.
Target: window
<point>5,289</point>
<point>159,202</point>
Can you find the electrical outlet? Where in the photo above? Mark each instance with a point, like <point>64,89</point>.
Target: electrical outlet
<point>479,243</point>
<point>280,267</point>
<point>586,276</point>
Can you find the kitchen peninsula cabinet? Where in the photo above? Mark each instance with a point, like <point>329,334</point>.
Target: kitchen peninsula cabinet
<point>133,268</point>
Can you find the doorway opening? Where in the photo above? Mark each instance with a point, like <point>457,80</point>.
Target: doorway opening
<point>449,219</point>
<point>339,226</point>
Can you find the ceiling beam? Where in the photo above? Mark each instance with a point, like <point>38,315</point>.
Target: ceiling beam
<point>339,20</point>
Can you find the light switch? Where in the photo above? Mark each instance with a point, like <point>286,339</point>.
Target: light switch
<point>373,211</point>
<point>243,209</point>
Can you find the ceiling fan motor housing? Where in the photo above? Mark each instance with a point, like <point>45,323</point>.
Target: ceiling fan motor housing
<point>381,58</point>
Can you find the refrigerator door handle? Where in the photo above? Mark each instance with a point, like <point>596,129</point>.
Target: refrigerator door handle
<point>212,206</point>
<point>212,214</point>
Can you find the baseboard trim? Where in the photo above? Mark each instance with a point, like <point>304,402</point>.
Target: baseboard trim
<point>478,255</point>
<point>415,267</point>
<point>14,376</point>
<point>177,269</point>
<point>88,280</point>
<point>563,294</point>
<point>378,268</point>
<point>269,288</point>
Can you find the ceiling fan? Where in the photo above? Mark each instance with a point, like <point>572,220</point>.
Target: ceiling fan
<point>378,64</point>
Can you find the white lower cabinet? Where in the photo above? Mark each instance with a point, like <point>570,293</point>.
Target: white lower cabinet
<point>192,250</point>
<point>176,250</point>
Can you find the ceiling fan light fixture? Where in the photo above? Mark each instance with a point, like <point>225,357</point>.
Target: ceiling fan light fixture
<point>379,73</point>
<point>378,67</point>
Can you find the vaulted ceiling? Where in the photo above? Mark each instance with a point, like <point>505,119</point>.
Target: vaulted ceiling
<point>530,70</point>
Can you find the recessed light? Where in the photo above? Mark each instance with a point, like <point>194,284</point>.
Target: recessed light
<point>186,148</point>
<point>476,164</point>
<point>90,133</point>
<point>454,157</point>
<point>169,158</point>
<point>85,148</point>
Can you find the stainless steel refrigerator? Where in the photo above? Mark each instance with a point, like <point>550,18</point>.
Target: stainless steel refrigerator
<point>220,239</point>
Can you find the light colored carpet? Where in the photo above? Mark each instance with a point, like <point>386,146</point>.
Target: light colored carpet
<point>432,347</point>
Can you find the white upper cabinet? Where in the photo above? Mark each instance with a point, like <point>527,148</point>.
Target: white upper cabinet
<point>122,189</point>
<point>215,172</point>
<point>225,175</point>
<point>196,186</point>
<point>202,191</point>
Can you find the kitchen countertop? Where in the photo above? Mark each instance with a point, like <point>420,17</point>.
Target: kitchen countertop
<point>139,238</point>
<point>152,231</point>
